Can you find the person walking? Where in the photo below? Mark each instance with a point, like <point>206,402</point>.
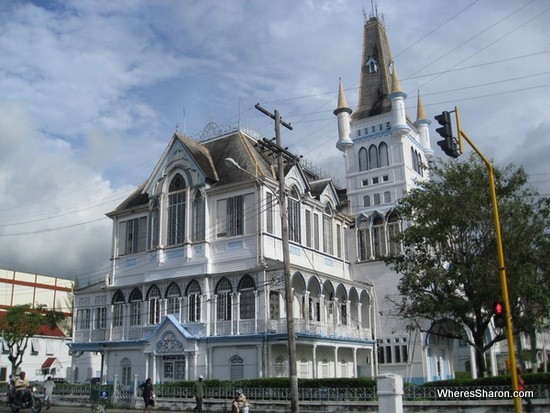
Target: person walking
<point>198,391</point>
<point>49,385</point>
<point>521,388</point>
<point>147,393</point>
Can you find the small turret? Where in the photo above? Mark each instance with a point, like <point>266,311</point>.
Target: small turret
<point>343,112</point>
<point>422,122</point>
<point>399,126</point>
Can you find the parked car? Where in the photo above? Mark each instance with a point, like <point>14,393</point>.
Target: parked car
<point>60,380</point>
<point>93,380</point>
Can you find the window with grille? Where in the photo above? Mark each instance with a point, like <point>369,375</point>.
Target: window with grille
<point>274,302</point>
<point>133,236</point>
<point>176,210</point>
<point>294,216</point>
<point>153,300</point>
<point>194,301</point>
<point>280,366</point>
<point>328,236</point>
<point>101,318</point>
<point>223,292</point>
<point>173,299</point>
<point>135,307</point>
<point>198,231</point>
<point>118,309</point>
<point>247,299</point>
<point>236,368</point>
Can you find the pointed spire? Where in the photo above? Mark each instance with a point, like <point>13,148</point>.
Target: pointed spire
<point>395,83</point>
<point>376,80</point>
<point>420,113</point>
<point>342,102</point>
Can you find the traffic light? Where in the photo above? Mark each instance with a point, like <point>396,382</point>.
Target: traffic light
<point>498,314</point>
<point>449,144</point>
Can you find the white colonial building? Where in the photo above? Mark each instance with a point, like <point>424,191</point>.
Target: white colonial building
<point>197,284</point>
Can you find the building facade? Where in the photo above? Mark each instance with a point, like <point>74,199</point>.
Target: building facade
<point>197,282</point>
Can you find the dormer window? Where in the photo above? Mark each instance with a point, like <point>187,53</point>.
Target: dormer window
<point>372,65</point>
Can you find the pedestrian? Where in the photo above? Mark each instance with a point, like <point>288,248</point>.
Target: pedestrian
<point>148,395</point>
<point>522,389</point>
<point>240,402</point>
<point>198,391</point>
<point>49,385</point>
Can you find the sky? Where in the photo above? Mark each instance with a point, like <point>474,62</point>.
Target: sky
<point>91,92</point>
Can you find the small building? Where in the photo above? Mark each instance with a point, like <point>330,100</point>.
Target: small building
<point>47,352</point>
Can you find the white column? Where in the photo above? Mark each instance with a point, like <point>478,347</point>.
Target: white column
<point>355,367</point>
<point>335,362</point>
<point>314,358</point>
<point>390,393</point>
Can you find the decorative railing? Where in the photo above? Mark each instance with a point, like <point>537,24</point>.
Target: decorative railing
<point>234,327</point>
<point>81,392</point>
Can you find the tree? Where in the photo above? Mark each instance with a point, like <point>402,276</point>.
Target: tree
<point>449,261</point>
<point>21,322</point>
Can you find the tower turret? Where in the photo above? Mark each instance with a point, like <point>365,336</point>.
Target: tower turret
<point>399,126</point>
<point>422,122</point>
<point>343,112</point>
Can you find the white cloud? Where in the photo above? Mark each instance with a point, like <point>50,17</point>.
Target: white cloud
<point>92,91</point>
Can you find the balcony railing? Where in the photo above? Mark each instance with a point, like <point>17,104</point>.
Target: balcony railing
<point>233,328</point>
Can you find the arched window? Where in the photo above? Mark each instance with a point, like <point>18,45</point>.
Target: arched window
<point>376,199</point>
<point>328,236</point>
<point>198,217</point>
<point>154,227</point>
<point>420,165</point>
<point>236,368</point>
<point>247,299</point>
<point>136,299</point>
<point>383,154</point>
<point>387,197</point>
<point>393,231</point>
<point>223,293</point>
<point>126,371</point>
<point>363,160</point>
<point>176,210</point>
<point>373,157</point>
<point>173,295</point>
<point>378,238</point>
<point>414,160</point>
<point>153,301</point>
<point>193,301</point>
<point>280,366</point>
<point>294,216</point>
<point>118,309</point>
<point>363,238</point>
<point>366,201</point>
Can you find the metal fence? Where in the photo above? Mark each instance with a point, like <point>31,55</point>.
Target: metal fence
<point>124,394</point>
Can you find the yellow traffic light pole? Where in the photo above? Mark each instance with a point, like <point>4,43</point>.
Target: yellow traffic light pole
<point>501,263</point>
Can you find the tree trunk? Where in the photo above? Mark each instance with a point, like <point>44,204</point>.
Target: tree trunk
<point>480,356</point>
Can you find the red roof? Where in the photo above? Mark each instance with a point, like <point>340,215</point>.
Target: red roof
<point>48,363</point>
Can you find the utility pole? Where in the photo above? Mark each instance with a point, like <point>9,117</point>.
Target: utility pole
<point>282,152</point>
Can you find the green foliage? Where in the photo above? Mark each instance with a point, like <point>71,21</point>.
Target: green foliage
<point>20,323</point>
<point>449,263</point>
<point>502,380</point>
<point>282,383</point>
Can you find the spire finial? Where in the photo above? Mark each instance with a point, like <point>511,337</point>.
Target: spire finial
<point>420,113</point>
<point>395,83</point>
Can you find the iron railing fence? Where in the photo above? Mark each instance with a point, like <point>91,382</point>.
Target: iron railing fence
<point>411,393</point>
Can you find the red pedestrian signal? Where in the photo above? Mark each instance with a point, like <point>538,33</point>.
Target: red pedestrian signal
<point>498,314</point>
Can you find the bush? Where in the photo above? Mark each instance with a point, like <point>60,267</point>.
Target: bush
<point>502,380</point>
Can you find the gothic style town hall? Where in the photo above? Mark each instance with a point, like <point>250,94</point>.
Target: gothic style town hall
<point>197,282</point>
